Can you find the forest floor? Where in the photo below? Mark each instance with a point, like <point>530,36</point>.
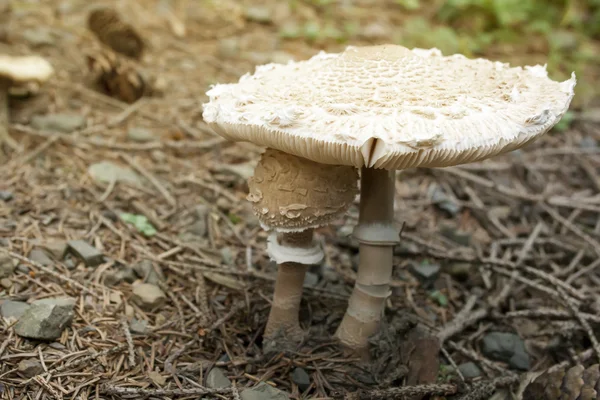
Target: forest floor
<point>497,275</point>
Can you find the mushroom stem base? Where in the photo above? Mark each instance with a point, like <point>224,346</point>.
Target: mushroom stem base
<point>377,236</point>
<point>4,136</point>
<point>283,329</point>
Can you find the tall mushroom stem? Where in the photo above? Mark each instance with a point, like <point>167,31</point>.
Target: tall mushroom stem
<point>4,136</point>
<point>377,236</point>
<point>283,319</point>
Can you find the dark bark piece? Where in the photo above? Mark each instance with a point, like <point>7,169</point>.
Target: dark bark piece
<point>420,353</point>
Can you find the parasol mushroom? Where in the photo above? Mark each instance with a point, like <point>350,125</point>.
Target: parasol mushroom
<point>385,108</point>
<point>18,70</point>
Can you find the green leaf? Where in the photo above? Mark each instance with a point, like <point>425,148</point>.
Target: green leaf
<point>439,297</point>
<point>234,218</point>
<point>565,122</point>
<point>140,222</point>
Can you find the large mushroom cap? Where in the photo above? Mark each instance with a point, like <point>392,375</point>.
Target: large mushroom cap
<point>390,107</point>
<point>25,68</point>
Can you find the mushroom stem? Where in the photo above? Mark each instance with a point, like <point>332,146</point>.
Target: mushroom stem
<point>4,136</point>
<point>283,318</point>
<point>377,236</point>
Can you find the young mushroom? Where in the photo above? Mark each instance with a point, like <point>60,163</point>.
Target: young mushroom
<point>292,196</point>
<point>385,108</point>
<point>13,71</point>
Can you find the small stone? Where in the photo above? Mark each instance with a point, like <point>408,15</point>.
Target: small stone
<point>311,279</point>
<point>70,264</point>
<point>150,273</point>
<point>263,391</point>
<point>148,296</point>
<point>217,379</point>
<point>140,135</point>
<point>46,319</point>
<point>129,311</point>
<point>38,37</point>
<point>158,156</point>
<point>22,268</point>
<point>64,123</point>
<point>6,195</point>
<point>198,228</point>
<point>506,347</point>
<point>138,326</point>
<point>56,248</point>
<point>228,255</point>
<point>228,48</point>
<point>30,367</point>
<point>115,297</point>
<point>425,272</point>
<point>6,283</point>
<point>470,370</point>
<point>40,257</point>
<point>225,358</point>
<point>107,172</point>
<point>301,378</point>
<point>444,203</point>
<point>588,142</point>
<point>91,256</point>
<point>7,267</point>
<point>13,309</point>
<point>260,14</point>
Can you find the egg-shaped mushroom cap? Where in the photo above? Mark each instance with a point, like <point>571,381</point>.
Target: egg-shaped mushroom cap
<point>390,107</point>
<point>292,194</point>
<point>21,69</point>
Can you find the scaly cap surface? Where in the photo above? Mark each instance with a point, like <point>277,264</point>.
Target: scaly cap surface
<point>390,107</point>
<point>290,193</point>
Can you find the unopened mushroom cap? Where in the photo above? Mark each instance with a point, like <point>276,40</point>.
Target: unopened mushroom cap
<point>25,68</point>
<point>291,194</point>
<point>390,107</point>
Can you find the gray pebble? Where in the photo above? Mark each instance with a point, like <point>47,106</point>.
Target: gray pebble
<point>63,123</point>
<point>216,378</point>
<point>301,378</point>
<point>506,347</point>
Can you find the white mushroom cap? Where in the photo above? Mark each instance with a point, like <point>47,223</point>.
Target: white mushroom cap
<point>25,68</point>
<point>390,107</point>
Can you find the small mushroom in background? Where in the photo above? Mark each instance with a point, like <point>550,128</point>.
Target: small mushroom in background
<point>291,197</point>
<point>16,71</point>
<point>385,108</point>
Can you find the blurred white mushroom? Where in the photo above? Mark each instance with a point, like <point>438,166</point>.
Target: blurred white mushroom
<point>18,71</point>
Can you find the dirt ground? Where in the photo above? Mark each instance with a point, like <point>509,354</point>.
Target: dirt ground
<point>510,245</point>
